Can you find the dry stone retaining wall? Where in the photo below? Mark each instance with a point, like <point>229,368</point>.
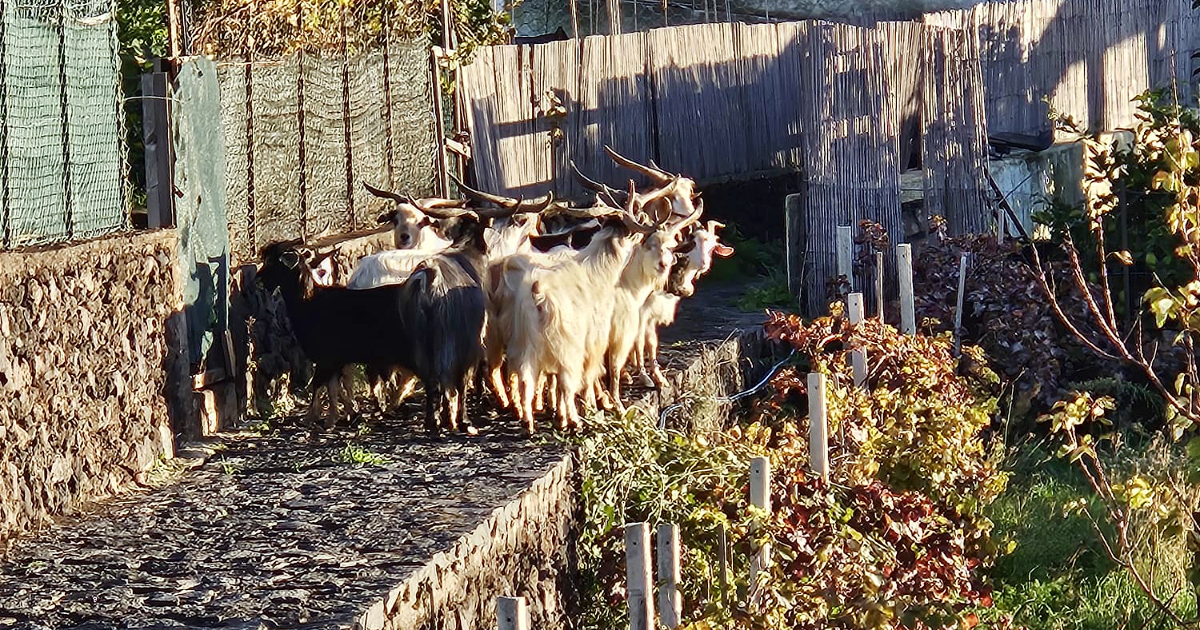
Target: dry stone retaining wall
<point>523,549</point>
<point>88,356</point>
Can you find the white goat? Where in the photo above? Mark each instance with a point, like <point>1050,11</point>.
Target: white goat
<point>561,317</point>
<point>659,310</point>
<point>647,269</point>
<point>699,258</point>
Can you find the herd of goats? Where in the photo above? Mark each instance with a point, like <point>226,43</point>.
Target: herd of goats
<point>540,294</point>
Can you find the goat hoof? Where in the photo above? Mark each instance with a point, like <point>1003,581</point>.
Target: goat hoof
<point>645,381</point>
<point>470,430</point>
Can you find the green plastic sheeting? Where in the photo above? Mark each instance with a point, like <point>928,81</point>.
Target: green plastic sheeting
<point>200,208</point>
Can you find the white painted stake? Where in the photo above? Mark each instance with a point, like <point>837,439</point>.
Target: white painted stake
<point>879,283</point>
<point>958,310</point>
<point>858,356</point>
<point>511,613</point>
<point>760,497</point>
<point>639,582</point>
<point>845,253</point>
<point>670,606</point>
<point>818,431</point>
<point>908,315</point>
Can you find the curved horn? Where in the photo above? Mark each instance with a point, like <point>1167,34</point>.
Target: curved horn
<point>659,176</point>
<point>424,205</point>
<point>591,184</point>
<point>534,206</point>
<point>628,218</point>
<point>394,196</point>
<point>449,213</point>
<point>508,203</point>
<point>582,213</point>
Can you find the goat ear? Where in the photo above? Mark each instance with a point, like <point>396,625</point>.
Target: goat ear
<point>387,217</point>
<point>324,269</point>
<point>724,251</point>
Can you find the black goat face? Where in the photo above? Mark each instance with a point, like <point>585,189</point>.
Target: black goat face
<point>282,263</point>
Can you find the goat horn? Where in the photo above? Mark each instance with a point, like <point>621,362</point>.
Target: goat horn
<point>508,203</point>
<point>658,175</point>
<point>449,213</point>
<point>387,194</point>
<point>424,205</point>
<point>628,217</point>
<point>594,185</point>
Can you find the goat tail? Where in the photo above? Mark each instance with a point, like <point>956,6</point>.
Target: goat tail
<point>547,313</point>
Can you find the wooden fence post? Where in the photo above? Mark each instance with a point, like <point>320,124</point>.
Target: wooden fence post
<point>670,606</point>
<point>879,283</point>
<point>908,316</point>
<point>858,356</point>
<point>639,583</point>
<point>818,431</point>
<point>962,285</point>
<point>511,613</point>
<point>794,242</point>
<point>845,253</point>
<point>156,136</point>
<point>760,497</point>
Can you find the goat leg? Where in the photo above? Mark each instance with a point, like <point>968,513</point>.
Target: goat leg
<point>526,402</point>
<point>450,408</point>
<point>496,375</point>
<point>432,398</point>
<point>334,388</point>
<point>314,407</point>
<point>465,422</point>
<point>539,389</point>
<point>407,384</point>
<point>652,347</point>
<point>615,365</point>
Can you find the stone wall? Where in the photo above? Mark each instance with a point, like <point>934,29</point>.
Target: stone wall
<point>88,350</point>
<point>525,549</point>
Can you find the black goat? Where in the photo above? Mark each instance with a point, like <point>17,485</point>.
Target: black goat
<point>430,325</point>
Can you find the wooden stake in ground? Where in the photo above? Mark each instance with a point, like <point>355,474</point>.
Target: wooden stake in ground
<point>639,582</point>
<point>760,497</point>
<point>858,356</point>
<point>958,310</point>
<point>879,284</point>
<point>670,606</point>
<point>908,315</point>
<point>793,230</point>
<point>818,431</point>
<point>511,613</point>
<point>845,254</point>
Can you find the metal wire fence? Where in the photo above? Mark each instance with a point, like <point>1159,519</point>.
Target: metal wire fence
<point>62,147</point>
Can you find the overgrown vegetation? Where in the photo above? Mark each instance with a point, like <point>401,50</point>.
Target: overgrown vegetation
<point>895,539</point>
<point>1156,176</point>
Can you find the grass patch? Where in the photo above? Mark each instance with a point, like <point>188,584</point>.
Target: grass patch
<point>355,454</point>
<point>1058,576</point>
<point>772,293</point>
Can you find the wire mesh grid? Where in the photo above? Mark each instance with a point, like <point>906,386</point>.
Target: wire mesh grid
<point>62,148</point>
<point>305,130</point>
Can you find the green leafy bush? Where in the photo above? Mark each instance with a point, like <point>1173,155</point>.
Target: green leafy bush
<point>918,423</point>
<point>895,540</point>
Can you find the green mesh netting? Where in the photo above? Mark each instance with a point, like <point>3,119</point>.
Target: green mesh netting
<point>367,118</point>
<point>61,139</point>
